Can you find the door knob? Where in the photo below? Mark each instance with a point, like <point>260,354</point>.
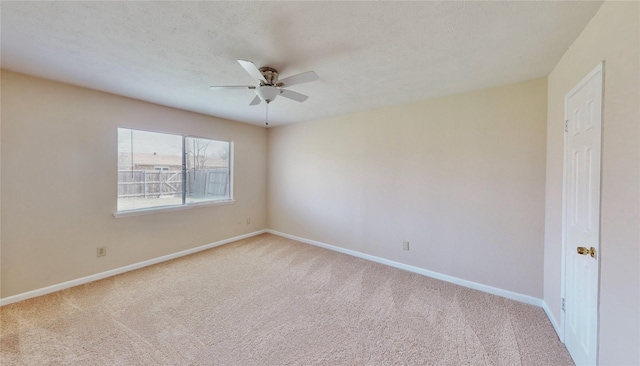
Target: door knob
<point>587,251</point>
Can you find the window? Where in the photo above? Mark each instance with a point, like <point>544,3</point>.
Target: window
<point>159,170</point>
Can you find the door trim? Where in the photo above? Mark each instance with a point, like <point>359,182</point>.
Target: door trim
<point>598,69</point>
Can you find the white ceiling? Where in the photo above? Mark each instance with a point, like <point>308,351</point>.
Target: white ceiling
<point>367,54</point>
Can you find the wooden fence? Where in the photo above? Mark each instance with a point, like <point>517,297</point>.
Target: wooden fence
<point>155,183</point>
<point>208,183</point>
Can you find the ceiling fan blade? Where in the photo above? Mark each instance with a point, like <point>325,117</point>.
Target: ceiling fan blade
<point>255,101</point>
<point>298,79</point>
<point>252,69</point>
<point>293,95</point>
<point>214,87</point>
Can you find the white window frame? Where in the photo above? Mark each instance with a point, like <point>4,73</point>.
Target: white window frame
<point>185,205</point>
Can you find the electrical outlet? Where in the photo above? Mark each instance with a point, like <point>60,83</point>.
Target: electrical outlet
<point>405,245</point>
<point>101,252</point>
<point>248,220</point>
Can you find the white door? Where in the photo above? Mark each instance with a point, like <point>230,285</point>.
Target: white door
<point>581,221</point>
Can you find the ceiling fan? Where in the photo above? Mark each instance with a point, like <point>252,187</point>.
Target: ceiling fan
<point>270,87</point>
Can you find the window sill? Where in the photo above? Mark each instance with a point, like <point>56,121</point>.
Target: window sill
<point>154,210</point>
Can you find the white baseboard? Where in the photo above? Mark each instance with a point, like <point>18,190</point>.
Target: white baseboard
<point>113,272</point>
<point>553,321</point>
<point>470,284</point>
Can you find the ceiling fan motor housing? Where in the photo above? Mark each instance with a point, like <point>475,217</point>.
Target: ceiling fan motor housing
<point>270,75</point>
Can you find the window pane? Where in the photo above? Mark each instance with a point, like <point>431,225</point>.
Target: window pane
<point>208,175</point>
<point>149,169</point>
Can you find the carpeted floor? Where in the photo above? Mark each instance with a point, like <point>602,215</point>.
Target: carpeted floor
<point>268,300</point>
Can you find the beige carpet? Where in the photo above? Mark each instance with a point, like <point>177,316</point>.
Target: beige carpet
<point>267,300</point>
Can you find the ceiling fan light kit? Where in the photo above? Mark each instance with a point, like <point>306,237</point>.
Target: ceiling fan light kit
<point>269,86</point>
<point>267,93</point>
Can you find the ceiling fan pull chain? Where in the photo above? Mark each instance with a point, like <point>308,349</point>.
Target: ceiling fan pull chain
<point>266,118</point>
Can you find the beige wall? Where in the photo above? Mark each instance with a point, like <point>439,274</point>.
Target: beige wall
<point>59,159</point>
<point>461,178</point>
<point>612,36</point>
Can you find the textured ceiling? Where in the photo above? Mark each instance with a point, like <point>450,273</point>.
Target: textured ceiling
<point>367,54</point>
